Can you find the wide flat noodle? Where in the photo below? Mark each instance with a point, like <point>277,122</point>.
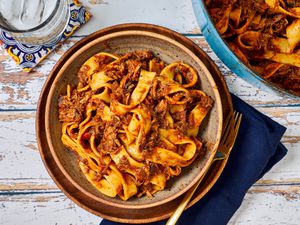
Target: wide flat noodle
<point>178,71</point>
<point>275,5</point>
<point>168,157</point>
<point>264,34</point>
<point>133,122</point>
<point>95,64</point>
<point>291,59</point>
<point>293,34</point>
<point>222,25</point>
<point>137,96</point>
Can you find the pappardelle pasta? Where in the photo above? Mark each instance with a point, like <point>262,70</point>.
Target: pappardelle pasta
<point>133,121</point>
<point>264,34</point>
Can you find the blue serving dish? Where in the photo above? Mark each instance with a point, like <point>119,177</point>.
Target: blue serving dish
<point>223,51</point>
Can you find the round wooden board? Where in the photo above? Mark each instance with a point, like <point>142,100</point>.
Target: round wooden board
<point>109,212</point>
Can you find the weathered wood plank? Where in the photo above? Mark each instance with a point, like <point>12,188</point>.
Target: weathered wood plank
<point>289,192</point>
<point>19,90</point>
<point>27,185</point>
<point>269,208</point>
<point>19,156</point>
<point>46,209</point>
<point>260,206</point>
<point>41,185</point>
<point>175,14</point>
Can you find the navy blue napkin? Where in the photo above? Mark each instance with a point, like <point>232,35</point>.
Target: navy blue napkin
<point>256,150</point>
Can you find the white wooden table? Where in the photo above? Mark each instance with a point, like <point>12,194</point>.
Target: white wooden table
<point>29,196</point>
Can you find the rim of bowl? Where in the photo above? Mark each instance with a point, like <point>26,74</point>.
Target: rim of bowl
<point>218,104</point>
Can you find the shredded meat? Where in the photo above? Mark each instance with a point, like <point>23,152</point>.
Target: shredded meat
<point>83,79</point>
<point>127,65</point>
<point>288,77</point>
<point>206,101</point>
<point>272,24</point>
<point>248,6</point>
<point>152,140</point>
<point>72,109</point>
<point>128,122</point>
<point>160,113</point>
<point>109,141</point>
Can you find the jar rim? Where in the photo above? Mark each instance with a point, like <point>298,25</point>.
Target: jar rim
<point>40,25</point>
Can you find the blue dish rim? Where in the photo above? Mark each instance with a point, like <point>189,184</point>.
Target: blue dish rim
<point>222,50</point>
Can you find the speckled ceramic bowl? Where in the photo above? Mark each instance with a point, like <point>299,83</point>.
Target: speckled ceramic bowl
<point>222,50</point>
<point>121,42</point>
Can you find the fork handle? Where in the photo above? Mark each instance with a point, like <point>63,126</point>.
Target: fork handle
<point>187,197</point>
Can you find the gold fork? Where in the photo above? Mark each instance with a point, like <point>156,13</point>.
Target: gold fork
<point>229,134</point>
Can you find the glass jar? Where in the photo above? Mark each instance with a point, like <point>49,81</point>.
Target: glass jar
<point>34,22</point>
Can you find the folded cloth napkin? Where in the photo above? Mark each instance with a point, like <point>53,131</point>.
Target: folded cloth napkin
<point>256,150</point>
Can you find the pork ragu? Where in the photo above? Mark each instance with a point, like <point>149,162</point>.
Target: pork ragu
<point>133,121</point>
<point>264,34</point>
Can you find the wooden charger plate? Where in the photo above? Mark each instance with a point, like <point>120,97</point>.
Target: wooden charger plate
<point>110,212</point>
